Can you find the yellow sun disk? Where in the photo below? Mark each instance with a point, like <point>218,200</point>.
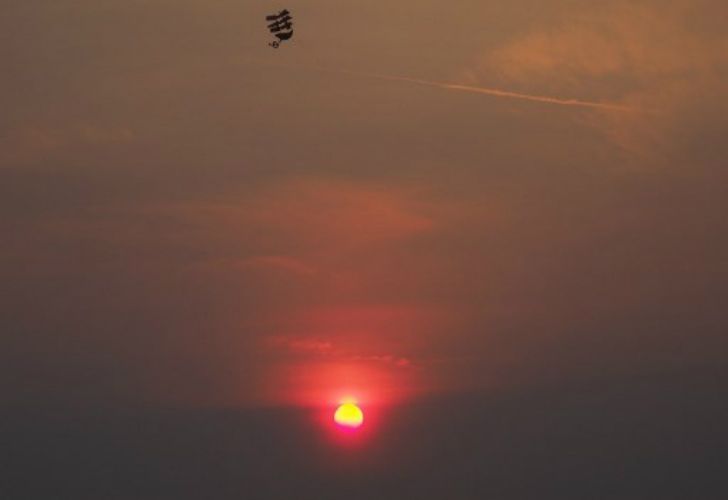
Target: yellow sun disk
<point>349,415</point>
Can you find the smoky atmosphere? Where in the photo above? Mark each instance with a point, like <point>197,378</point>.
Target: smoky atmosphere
<point>363,250</point>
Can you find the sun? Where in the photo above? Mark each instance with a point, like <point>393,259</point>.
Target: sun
<point>349,415</point>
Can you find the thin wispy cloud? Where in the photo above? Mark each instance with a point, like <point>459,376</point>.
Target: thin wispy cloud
<point>645,55</point>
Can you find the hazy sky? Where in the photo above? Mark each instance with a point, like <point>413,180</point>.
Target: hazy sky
<point>192,218</point>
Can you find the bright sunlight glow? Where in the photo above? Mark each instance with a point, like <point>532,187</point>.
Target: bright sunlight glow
<point>349,415</point>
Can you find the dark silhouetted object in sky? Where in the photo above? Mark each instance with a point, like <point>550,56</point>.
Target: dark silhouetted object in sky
<point>281,26</point>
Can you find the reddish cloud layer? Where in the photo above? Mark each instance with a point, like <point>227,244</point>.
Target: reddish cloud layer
<point>316,253</point>
<point>660,58</point>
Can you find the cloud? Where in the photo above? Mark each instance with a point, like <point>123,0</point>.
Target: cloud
<point>300,277</point>
<point>654,56</point>
<point>300,345</point>
<point>312,346</point>
<point>315,212</point>
<point>28,144</point>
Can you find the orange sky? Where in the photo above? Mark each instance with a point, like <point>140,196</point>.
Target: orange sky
<point>191,217</point>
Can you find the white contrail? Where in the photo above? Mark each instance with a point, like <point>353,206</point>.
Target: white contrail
<point>466,88</point>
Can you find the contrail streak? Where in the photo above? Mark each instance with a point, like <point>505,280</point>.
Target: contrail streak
<point>466,88</point>
<point>499,92</point>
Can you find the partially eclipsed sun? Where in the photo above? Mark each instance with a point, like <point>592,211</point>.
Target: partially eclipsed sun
<point>349,415</point>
